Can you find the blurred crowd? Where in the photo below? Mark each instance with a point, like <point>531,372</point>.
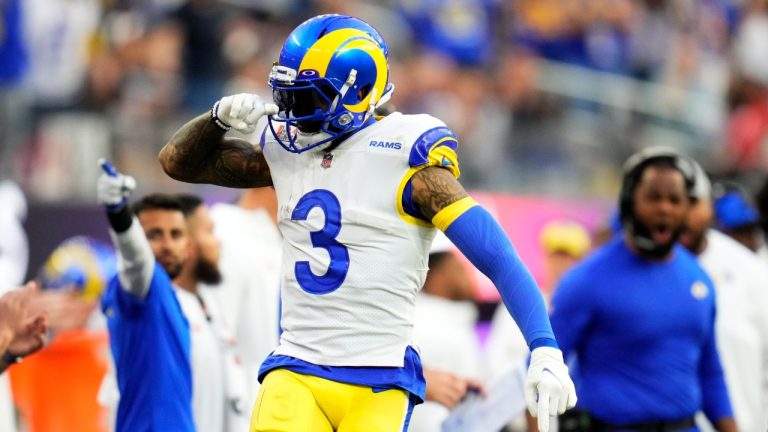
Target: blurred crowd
<point>546,96</point>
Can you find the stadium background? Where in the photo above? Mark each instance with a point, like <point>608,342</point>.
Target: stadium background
<point>547,97</point>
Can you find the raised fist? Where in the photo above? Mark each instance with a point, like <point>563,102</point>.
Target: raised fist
<point>113,188</point>
<point>241,112</point>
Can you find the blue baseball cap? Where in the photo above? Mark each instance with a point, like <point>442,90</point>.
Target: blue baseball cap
<point>732,211</point>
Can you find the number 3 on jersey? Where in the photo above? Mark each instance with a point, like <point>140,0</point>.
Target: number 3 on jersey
<point>325,239</point>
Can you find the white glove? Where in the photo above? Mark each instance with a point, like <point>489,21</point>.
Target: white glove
<point>241,112</point>
<point>113,188</point>
<point>549,390</point>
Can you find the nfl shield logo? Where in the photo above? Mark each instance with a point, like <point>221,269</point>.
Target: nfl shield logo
<point>327,159</point>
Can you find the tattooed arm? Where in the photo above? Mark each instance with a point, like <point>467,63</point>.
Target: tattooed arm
<point>199,153</point>
<point>434,188</point>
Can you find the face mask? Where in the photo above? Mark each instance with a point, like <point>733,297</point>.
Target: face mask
<point>304,139</point>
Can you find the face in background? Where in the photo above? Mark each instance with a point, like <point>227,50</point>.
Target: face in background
<point>661,205</point>
<point>748,236</point>
<point>205,247</point>
<point>563,244</point>
<point>448,278</point>
<point>698,221</point>
<point>166,231</point>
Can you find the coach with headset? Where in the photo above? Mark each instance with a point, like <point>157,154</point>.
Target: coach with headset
<point>636,318</point>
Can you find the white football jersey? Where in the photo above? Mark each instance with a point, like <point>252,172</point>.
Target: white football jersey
<point>207,360</point>
<point>353,260</point>
<point>741,327</point>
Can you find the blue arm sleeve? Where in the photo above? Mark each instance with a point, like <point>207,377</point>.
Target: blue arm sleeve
<point>715,400</point>
<point>480,238</point>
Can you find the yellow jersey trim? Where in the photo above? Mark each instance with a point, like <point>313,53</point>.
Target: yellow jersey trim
<point>444,156</point>
<point>445,217</point>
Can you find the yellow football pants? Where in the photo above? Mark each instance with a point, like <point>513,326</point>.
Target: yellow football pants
<point>291,402</point>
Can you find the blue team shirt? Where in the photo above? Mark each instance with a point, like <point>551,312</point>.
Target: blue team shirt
<point>642,334</point>
<point>13,56</point>
<point>150,346</point>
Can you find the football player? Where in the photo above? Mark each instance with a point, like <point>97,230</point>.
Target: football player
<point>359,198</point>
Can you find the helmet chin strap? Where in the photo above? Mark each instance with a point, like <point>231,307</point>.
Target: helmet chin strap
<point>351,78</point>
<point>385,96</point>
<point>371,106</point>
<point>382,100</point>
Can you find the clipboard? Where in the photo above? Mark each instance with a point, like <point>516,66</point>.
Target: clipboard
<point>504,400</point>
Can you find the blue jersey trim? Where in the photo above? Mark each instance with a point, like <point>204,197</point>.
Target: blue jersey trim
<point>408,415</point>
<point>410,377</point>
<point>420,151</point>
<point>543,342</point>
<point>408,206</point>
<point>419,157</point>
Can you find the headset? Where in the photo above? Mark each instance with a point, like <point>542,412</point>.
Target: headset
<point>632,172</point>
<point>636,165</point>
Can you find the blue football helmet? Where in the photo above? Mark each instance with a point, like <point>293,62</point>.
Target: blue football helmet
<point>331,76</point>
<point>81,263</point>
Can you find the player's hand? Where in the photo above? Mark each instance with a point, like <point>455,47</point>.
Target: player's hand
<point>549,390</point>
<point>65,309</point>
<point>113,188</point>
<point>30,339</point>
<point>14,309</point>
<point>448,389</point>
<point>26,325</point>
<point>242,111</point>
